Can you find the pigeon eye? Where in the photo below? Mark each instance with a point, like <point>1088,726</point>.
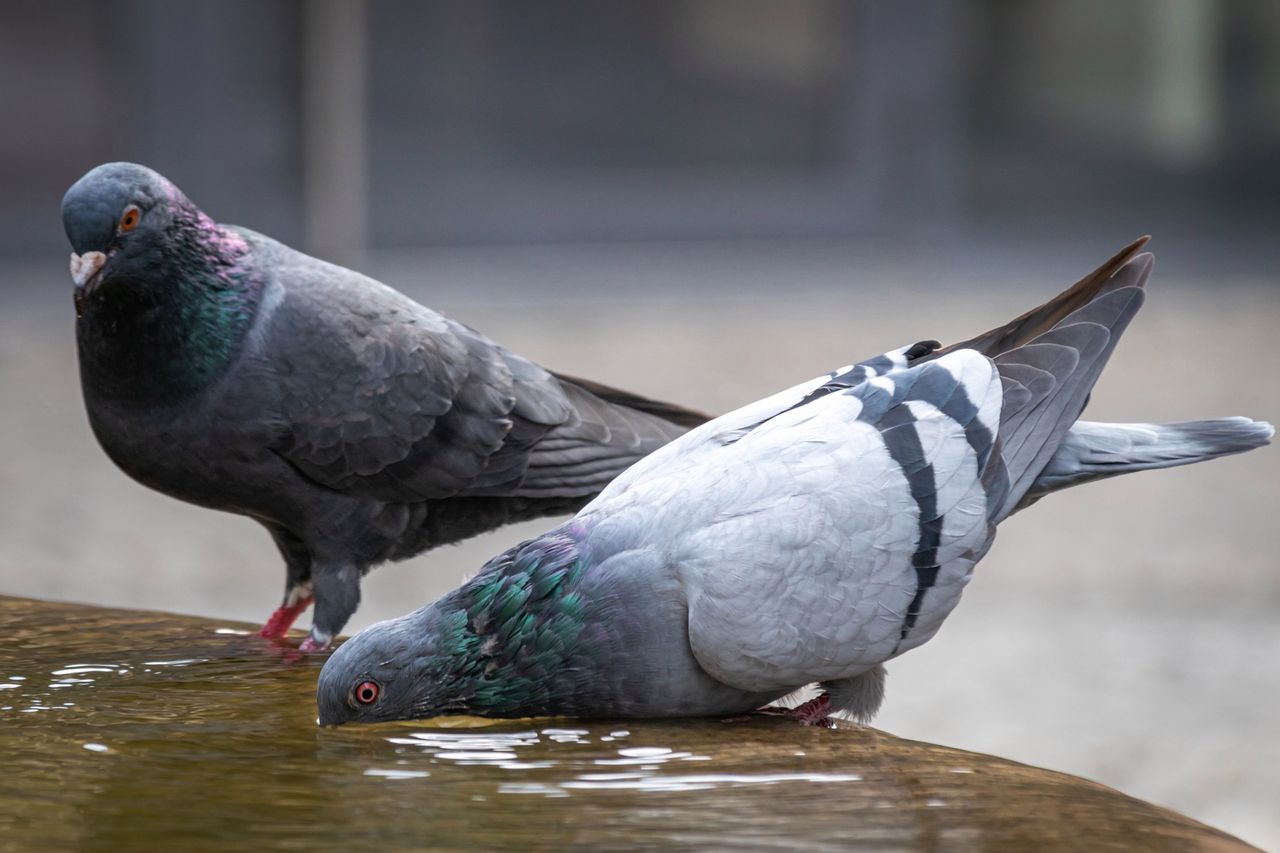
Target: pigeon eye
<point>130,218</point>
<point>366,692</point>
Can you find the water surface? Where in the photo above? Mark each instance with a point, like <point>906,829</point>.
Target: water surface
<point>129,729</point>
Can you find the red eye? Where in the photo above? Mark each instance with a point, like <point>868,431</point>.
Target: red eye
<point>366,692</point>
<point>130,218</point>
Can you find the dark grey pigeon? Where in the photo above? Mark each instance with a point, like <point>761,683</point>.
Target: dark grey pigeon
<point>225,369</point>
<point>808,537</point>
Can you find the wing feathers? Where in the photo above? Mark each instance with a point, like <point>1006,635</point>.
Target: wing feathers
<point>830,527</point>
<point>381,397</point>
<point>596,443</point>
<point>858,515</point>
<point>936,433</point>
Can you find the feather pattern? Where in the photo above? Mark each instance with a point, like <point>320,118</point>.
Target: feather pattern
<point>417,407</point>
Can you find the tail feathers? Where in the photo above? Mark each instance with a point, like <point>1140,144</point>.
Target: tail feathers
<point>1026,328</point>
<point>678,415</point>
<point>1048,360</point>
<point>1048,378</point>
<point>1093,451</point>
<point>608,431</point>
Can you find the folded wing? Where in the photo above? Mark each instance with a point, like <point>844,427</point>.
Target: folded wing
<point>833,535</point>
<point>384,398</point>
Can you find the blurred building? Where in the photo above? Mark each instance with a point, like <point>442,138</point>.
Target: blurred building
<point>392,123</point>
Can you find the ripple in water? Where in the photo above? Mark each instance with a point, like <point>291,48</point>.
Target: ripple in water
<point>648,767</point>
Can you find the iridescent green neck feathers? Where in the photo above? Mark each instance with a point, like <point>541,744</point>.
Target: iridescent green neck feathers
<point>170,322</point>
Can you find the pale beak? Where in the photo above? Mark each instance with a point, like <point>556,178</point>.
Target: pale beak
<point>86,266</point>
<point>84,272</point>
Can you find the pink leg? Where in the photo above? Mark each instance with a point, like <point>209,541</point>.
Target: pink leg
<point>284,617</point>
<point>815,712</point>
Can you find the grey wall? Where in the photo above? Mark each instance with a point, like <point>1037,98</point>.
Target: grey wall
<point>492,121</point>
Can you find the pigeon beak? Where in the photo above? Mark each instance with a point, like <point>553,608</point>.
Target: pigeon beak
<point>86,266</point>
<point>85,272</point>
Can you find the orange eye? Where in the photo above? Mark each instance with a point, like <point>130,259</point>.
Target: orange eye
<point>130,218</point>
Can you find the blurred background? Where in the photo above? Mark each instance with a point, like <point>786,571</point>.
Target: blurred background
<point>704,201</point>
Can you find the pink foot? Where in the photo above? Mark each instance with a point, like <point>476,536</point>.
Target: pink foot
<point>310,645</point>
<point>815,712</point>
<point>282,620</point>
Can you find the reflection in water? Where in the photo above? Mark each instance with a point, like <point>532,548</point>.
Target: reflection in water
<point>136,730</point>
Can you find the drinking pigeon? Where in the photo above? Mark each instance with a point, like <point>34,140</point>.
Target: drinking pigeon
<point>225,369</point>
<point>808,537</point>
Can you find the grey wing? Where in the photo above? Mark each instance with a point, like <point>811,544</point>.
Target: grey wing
<point>839,533</point>
<point>596,442</point>
<point>689,449</point>
<point>380,396</point>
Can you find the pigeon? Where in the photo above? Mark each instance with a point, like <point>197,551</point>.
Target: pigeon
<point>803,539</point>
<point>225,369</point>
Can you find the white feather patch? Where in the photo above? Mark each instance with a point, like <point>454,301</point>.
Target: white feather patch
<point>884,383</point>
<point>977,375</point>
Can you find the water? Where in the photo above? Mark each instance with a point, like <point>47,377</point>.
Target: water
<point>133,730</point>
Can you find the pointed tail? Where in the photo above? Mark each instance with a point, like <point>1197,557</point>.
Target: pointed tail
<point>1093,451</point>
<point>678,415</point>
<point>1021,331</point>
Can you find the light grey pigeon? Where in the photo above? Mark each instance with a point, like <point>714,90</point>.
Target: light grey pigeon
<point>225,369</point>
<point>808,537</point>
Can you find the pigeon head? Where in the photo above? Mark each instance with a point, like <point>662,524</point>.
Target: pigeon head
<point>163,293</point>
<point>509,642</point>
<point>394,670</point>
<point>127,223</point>
<point>114,205</point>
<point>118,218</point>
